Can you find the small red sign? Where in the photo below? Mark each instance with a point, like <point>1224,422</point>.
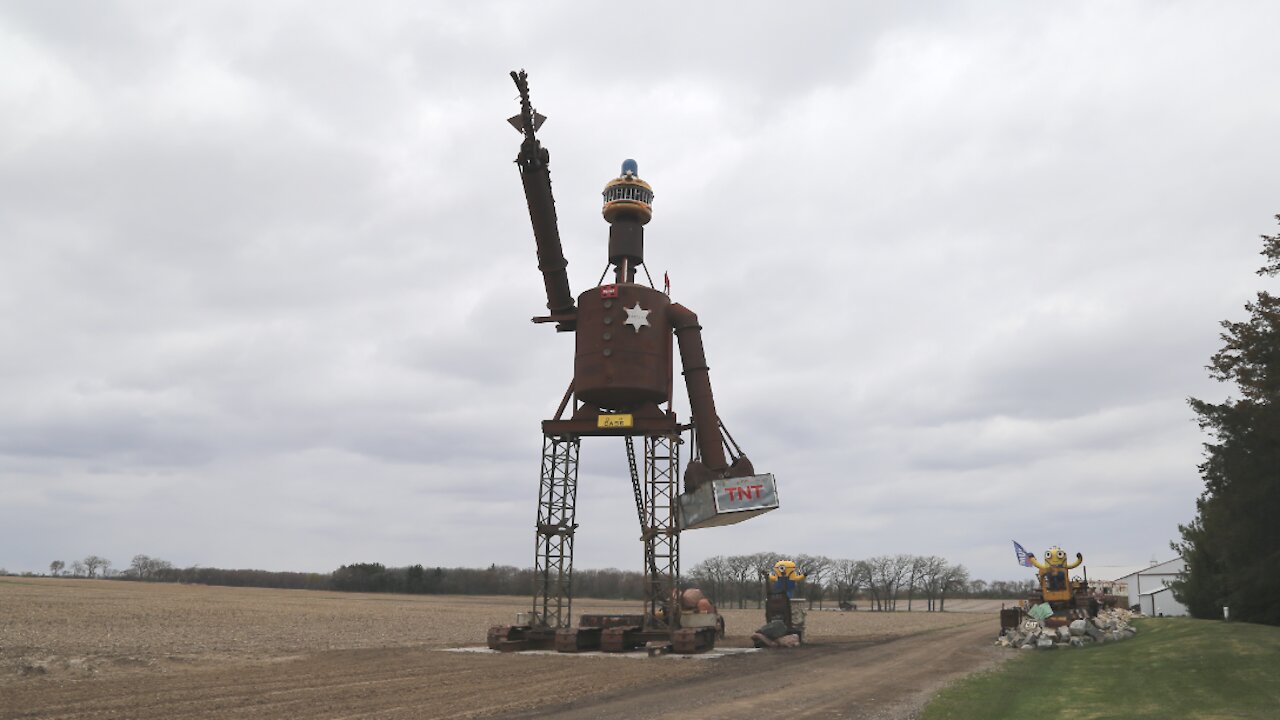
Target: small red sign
<point>609,291</point>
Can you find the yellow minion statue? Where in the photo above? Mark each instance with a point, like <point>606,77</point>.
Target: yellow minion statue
<point>1053,573</point>
<point>784,577</point>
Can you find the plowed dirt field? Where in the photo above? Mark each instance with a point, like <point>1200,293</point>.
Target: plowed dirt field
<point>109,649</point>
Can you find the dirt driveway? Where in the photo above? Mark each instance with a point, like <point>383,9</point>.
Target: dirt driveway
<point>96,650</point>
<point>887,679</point>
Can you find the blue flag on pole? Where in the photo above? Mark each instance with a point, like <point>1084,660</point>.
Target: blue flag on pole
<point>1024,557</point>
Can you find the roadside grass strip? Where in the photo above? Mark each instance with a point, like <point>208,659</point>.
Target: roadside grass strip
<point>1173,668</point>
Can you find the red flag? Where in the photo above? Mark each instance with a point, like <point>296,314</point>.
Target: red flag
<point>666,283</point>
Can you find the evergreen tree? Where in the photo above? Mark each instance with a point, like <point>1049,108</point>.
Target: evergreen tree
<point>1232,548</point>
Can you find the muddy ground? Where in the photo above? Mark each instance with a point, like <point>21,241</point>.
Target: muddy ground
<point>107,649</point>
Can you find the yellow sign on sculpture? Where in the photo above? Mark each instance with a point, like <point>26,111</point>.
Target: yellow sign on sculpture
<point>614,421</point>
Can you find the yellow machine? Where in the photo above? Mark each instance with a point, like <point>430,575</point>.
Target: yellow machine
<point>1055,585</point>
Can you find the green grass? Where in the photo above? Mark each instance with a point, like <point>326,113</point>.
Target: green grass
<point>15,581</point>
<point>1173,668</point>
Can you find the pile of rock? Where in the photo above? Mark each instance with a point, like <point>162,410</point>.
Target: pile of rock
<point>1109,626</point>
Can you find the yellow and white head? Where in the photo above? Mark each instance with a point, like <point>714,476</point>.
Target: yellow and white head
<point>786,569</point>
<point>1055,556</point>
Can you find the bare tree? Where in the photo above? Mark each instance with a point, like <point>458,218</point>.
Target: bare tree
<point>1014,589</point>
<point>914,574</point>
<point>761,565</point>
<point>712,576</point>
<point>877,574</point>
<point>902,565</point>
<point>954,577</point>
<point>815,568</point>
<point>55,567</point>
<point>884,579</point>
<point>931,579</point>
<point>742,574</point>
<point>887,575</point>
<point>849,576</point>
<point>93,564</point>
<point>145,567</point>
<point>78,569</point>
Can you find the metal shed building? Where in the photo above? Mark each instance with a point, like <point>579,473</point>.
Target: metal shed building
<point>1161,602</point>
<point>1150,580</point>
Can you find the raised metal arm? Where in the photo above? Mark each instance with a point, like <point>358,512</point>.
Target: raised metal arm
<point>533,161</point>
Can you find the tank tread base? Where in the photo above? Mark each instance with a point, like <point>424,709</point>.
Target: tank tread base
<point>514,638</point>
<point>691,641</point>
<point>579,639</point>
<point>621,639</point>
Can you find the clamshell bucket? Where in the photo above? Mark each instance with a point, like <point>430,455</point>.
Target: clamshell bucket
<point>725,501</point>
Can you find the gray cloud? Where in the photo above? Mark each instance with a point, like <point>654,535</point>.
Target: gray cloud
<point>267,271</point>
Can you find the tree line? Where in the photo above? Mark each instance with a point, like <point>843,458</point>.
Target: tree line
<point>1232,546</point>
<point>882,583</point>
<point>886,582</point>
<point>90,567</point>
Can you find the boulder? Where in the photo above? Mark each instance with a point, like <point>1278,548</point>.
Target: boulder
<point>1064,634</point>
<point>1077,627</point>
<point>773,630</point>
<point>1077,641</point>
<point>1044,643</point>
<point>789,641</point>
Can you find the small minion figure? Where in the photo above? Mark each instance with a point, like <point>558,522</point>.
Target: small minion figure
<point>784,577</point>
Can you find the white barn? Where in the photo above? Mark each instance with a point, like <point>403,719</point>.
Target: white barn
<point>1152,584</point>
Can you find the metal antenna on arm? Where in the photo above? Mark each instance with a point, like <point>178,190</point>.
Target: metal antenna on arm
<point>528,121</point>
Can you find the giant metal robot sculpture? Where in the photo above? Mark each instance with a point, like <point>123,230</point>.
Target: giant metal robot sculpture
<point>622,379</point>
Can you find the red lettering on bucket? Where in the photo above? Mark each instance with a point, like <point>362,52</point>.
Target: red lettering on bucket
<point>750,492</point>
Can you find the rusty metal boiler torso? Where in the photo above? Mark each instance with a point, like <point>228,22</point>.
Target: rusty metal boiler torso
<point>623,357</point>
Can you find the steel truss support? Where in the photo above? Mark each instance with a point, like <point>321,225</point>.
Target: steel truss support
<point>557,501</point>
<point>660,530</point>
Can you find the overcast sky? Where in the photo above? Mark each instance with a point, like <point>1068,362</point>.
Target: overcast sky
<point>266,270</point>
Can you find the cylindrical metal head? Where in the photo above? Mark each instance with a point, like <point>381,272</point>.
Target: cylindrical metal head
<point>627,196</point>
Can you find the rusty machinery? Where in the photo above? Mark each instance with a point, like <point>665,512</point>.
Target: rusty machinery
<point>622,387</point>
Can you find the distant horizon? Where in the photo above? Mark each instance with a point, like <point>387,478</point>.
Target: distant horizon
<point>116,568</point>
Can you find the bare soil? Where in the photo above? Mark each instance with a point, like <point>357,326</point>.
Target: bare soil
<point>107,649</point>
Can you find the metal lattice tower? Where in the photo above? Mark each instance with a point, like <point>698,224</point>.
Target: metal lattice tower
<point>661,531</point>
<point>557,500</point>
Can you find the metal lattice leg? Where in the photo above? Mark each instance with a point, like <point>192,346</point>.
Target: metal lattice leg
<point>661,532</point>
<point>557,500</point>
